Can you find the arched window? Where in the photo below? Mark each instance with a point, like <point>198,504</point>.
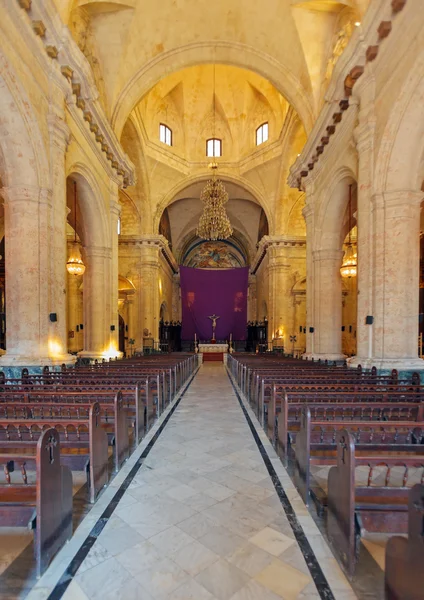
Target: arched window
<point>165,134</point>
<point>262,134</point>
<point>213,147</point>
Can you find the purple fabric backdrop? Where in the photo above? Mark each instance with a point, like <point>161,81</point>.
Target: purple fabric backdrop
<point>219,292</point>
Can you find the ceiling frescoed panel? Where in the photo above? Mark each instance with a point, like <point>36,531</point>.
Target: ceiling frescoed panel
<point>203,254</point>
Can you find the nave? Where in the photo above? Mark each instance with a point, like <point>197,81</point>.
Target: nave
<point>201,518</point>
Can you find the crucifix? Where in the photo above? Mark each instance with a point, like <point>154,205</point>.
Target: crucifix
<point>214,319</point>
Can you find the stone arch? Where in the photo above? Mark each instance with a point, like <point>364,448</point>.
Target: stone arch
<point>164,312</point>
<point>400,157</point>
<point>332,219</point>
<point>23,159</point>
<point>236,54</point>
<point>171,196</point>
<point>94,227</point>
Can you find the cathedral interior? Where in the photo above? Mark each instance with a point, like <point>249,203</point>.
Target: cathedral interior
<point>119,121</point>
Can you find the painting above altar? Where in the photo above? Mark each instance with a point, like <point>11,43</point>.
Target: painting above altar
<point>214,255</point>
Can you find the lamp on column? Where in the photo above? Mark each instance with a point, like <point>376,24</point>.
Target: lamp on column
<point>75,265</point>
<point>349,266</point>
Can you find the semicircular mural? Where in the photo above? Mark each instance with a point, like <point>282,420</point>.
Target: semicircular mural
<point>214,255</point>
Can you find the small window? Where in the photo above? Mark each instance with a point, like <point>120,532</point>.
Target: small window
<point>213,147</point>
<point>119,226</point>
<point>165,134</point>
<point>262,134</point>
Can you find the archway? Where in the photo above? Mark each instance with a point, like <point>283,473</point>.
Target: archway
<point>235,54</point>
<point>92,231</point>
<point>334,220</point>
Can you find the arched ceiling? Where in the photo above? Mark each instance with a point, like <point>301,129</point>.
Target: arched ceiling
<point>244,215</point>
<point>289,42</point>
<point>185,101</point>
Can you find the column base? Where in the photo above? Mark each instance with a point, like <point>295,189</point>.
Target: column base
<point>324,357</point>
<point>387,364</point>
<point>93,354</point>
<point>12,365</point>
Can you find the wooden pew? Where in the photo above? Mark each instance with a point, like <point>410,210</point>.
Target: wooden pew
<point>337,407</point>
<point>113,418</point>
<point>84,443</point>
<point>316,445</point>
<point>353,508</point>
<point>46,506</point>
<point>404,572</point>
<point>134,400</point>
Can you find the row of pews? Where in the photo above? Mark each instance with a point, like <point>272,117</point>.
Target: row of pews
<point>88,419</point>
<point>354,443</point>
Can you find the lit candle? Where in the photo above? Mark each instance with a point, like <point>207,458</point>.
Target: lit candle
<point>231,337</point>
<point>195,338</point>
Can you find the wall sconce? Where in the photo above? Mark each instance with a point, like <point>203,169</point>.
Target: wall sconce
<point>112,327</point>
<point>81,327</point>
<point>311,329</point>
<point>53,317</point>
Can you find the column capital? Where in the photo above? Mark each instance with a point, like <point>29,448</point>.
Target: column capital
<point>60,134</point>
<point>115,208</point>
<point>402,198</point>
<point>27,194</point>
<point>97,252</point>
<point>328,254</point>
<point>308,212</point>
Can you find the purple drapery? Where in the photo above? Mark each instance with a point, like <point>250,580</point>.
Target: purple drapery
<point>220,292</point>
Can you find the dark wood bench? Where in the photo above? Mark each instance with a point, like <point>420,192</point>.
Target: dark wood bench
<point>287,422</point>
<point>113,418</point>
<point>404,572</point>
<point>46,506</point>
<point>84,443</point>
<point>316,445</point>
<point>353,508</point>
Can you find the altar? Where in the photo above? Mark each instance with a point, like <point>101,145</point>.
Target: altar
<point>213,352</point>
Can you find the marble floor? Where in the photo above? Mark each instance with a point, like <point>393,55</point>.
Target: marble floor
<point>201,518</point>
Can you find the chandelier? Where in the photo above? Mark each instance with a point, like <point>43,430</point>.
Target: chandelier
<point>75,265</point>
<point>214,223</point>
<point>349,266</point>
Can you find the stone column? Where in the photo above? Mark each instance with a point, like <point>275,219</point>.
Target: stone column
<point>149,275</point>
<point>74,283</point>
<point>396,223</point>
<point>27,212</point>
<point>115,211</point>
<point>58,334</point>
<point>328,304</point>
<point>364,135</point>
<point>252,299</point>
<point>96,291</point>
<point>308,213</point>
<point>280,310</point>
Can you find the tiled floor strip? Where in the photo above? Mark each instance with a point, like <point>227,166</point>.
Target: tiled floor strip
<point>206,512</point>
<point>311,560</point>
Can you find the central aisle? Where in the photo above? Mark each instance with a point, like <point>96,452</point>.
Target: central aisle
<point>201,519</point>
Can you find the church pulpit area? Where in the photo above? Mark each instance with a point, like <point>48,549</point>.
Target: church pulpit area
<point>354,444</point>
<point>57,425</point>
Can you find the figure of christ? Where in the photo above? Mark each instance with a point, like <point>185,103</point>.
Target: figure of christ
<point>214,319</point>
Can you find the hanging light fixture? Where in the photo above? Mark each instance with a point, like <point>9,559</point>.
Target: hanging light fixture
<point>75,265</point>
<point>349,266</point>
<point>214,223</point>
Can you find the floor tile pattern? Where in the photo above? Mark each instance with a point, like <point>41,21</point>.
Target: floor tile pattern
<point>201,518</point>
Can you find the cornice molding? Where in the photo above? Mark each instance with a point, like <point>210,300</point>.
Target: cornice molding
<point>153,241</point>
<point>361,50</point>
<point>68,68</point>
<point>275,241</point>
